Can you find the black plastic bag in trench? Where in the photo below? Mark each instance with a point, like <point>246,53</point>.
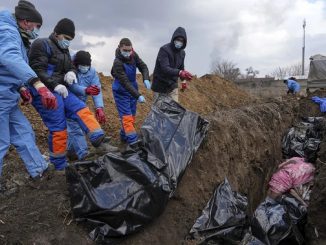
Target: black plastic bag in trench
<point>119,193</point>
<point>278,222</point>
<point>224,219</point>
<point>303,139</point>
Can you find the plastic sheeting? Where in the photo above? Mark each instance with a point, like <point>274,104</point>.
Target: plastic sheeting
<point>317,70</point>
<point>321,102</point>
<point>278,222</point>
<point>303,139</point>
<point>224,218</point>
<point>119,193</point>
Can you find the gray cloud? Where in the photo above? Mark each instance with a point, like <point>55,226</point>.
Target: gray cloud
<point>92,45</point>
<point>215,29</point>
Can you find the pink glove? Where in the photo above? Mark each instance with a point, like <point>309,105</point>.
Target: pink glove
<point>100,116</point>
<point>92,90</point>
<point>26,96</point>
<point>185,75</point>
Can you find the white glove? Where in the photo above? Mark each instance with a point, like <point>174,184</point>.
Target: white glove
<point>70,77</point>
<point>62,90</point>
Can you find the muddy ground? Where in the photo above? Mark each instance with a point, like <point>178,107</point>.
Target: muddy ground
<point>243,144</point>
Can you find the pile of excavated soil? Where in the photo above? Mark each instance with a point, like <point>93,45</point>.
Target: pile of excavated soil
<point>243,144</point>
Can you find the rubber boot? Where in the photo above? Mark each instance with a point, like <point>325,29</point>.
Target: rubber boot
<point>106,147</point>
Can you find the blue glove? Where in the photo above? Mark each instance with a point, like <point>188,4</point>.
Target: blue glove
<point>141,99</point>
<point>147,84</point>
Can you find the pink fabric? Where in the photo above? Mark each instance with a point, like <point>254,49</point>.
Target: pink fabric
<point>292,173</point>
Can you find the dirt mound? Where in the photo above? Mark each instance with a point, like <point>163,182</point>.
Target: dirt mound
<point>243,144</point>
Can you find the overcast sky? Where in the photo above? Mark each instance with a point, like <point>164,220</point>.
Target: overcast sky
<point>263,34</point>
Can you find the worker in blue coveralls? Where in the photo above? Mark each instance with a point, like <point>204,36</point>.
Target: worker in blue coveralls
<point>88,84</point>
<point>16,31</point>
<point>125,89</point>
<point>50,59</point>
<point>293,85</point>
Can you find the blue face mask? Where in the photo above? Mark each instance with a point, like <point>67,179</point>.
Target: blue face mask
<point>64,43</point>
<point>178,44</point>
<point>83,69</point>
<point>34,33</point>
<point>125,54</point>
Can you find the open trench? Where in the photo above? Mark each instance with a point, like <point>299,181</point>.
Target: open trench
<point>243,145</point>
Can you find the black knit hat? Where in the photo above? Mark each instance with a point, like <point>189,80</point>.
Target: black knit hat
<point>83,58</point>
<point>65,26</point>
<point>27,11</point>
<point>125,41</point>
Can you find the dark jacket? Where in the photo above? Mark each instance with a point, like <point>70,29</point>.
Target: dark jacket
<point>118,70</point>
<point>49,61</point>
<point>169,62</point>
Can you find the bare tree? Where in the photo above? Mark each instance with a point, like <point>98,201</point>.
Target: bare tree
<point>279,72</point>
<point>251,73</point>
<point>295,70</point>
<point>287,71</point>
<point>226,69</point>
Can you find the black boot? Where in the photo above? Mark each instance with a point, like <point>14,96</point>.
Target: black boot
<point>105,147</point>
<point>136,146</point>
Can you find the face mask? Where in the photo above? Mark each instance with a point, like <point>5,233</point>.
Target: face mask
<point>64,43</point>
<point>126,54</point>
<point>178,44</point>
<point>83,69</point>
<point>34,33</point>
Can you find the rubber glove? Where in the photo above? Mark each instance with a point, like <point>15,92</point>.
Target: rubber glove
<point>147,84</point>
<point>141,99</point>
<point>92,90</point>
<point>70,77</point>
<point>49,101</point>
<point>185,75</point>
<point>100,116</point>
<point>62,90</point>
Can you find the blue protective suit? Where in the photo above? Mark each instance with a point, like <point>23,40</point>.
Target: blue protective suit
<point>125,91</point>
<point>76,137</point>
<point>126,105</point>
<point>293,86</point>
<point>51,63</point>
<point>14,73</point>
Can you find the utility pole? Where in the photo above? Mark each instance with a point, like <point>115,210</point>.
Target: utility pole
<point>304,44</point>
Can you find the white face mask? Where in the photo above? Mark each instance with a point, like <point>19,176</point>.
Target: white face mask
<point>34,33</point>
<point>125,54</point>
<point>64,43</point>
<point>178,44</point>
<point>83,69</point>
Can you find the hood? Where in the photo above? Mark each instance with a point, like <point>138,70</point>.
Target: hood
<point>7,19</point>
<point>179,32</point>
